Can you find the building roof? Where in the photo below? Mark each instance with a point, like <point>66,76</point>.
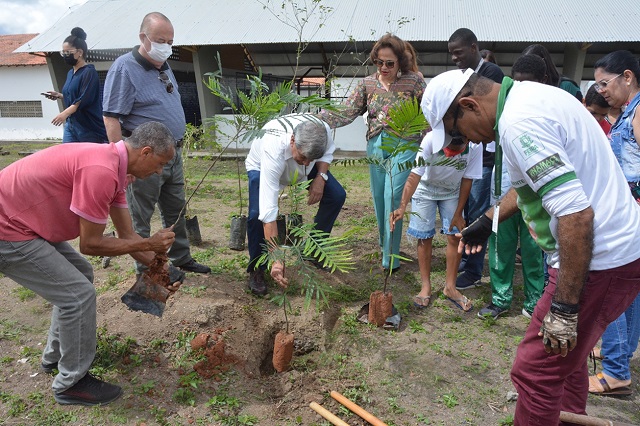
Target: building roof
<point>114,24</point>
<point>9,43</point>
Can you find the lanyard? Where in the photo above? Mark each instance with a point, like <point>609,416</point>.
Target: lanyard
<point>507,83</point>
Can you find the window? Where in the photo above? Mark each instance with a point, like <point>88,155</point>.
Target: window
<point>20,109</point>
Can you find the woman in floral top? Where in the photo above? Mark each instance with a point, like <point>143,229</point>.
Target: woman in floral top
<point>375,95</point>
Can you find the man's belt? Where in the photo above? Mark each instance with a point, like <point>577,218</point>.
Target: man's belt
<point>179,143</point>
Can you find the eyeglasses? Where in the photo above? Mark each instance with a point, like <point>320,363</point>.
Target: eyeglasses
<point>67,52</point>
<point>163,77</point>
<point>379,63</point>
<point>604,83</point>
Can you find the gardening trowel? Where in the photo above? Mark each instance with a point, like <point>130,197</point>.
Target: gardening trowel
<point>150,293</point>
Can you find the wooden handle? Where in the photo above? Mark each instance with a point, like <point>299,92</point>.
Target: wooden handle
<point>357,409</point>
<point>327,414</point>
<point>580,419</point>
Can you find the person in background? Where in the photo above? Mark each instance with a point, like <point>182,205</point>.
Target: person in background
<point>442,184</point>
<point>488,56</point>
<point>617,78</point>
<point>554,78</point>
<point>412,57</point>
<point>503,244</point>
<point>82,116</point>
<point>66,192</point>
<point>465,53</point>
<point>529,68</point>
<point>140,86</point>
<point>598,106</point>
<point>293,143</point>
<point>393,83</point>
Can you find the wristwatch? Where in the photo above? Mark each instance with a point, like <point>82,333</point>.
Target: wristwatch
<point>324,176</point>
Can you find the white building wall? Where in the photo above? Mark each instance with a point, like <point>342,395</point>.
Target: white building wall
<point>348,138</point>
<point>25,83</point>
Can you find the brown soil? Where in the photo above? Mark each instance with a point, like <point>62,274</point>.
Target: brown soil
<point>442,366</point>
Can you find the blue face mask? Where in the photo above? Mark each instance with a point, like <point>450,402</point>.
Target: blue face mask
<point>159,52</point>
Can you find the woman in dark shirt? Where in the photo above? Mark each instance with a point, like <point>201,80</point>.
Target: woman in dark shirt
<point>82,116</point>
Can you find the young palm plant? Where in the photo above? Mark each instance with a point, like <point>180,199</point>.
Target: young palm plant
<point>405,119</point>
<point>304,243</point>
<point>250,112</point>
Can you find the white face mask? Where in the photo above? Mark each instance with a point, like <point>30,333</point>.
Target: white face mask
<point>159,52</point>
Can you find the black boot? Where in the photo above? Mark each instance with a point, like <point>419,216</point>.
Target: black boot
<point>257,285</point>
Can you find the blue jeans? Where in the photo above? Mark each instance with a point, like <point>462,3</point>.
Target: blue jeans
<point>620,341</point>
<point>331,203</point>
<point>422,223</point>
<point>478,204</point>
<point>73,133</point>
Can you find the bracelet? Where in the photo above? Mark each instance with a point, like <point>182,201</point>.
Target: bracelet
<point>564,308</point>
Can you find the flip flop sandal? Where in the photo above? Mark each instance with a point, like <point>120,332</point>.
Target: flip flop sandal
<point>461,303</point>
<point>420,302</point>
<point>607,390</point>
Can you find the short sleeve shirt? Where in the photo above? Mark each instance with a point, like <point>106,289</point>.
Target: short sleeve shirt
<point>549,139</point>
<point>135,94</point>
<point>45,194</point>
<point>441,175</point>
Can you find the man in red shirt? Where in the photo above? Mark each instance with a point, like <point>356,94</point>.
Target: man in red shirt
<point>59,194</point>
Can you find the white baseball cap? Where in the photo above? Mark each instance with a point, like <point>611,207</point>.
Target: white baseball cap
<point>436,100</point>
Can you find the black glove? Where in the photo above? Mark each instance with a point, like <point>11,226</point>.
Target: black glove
<point>478,232</point>
<point>175,275</point>
<point>560,329</point>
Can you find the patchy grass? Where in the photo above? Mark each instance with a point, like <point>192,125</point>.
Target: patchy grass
<point>442,367</point>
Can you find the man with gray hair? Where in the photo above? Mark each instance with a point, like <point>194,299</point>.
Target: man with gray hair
<point>62,193</point>
<point>293,143</point>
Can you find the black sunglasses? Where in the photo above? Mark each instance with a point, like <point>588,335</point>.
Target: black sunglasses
<point>379,63</point>
<point>163,77</point>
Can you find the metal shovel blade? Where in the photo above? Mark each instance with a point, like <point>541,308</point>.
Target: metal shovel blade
<point>146,296</point>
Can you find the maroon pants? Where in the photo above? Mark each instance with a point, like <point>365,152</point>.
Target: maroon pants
<point>548,383</point>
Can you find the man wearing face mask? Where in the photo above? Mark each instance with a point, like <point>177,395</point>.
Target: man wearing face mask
<point>141,87</point>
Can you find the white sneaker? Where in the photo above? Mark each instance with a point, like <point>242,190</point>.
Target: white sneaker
<point>525,313</point>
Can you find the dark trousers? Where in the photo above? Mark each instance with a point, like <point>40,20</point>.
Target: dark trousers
<point>330,205</point>
<point>548,383</point>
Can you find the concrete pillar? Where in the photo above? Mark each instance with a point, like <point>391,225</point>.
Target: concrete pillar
<point>58,70</point>
<point>573,63</point>
<point>204,61</point>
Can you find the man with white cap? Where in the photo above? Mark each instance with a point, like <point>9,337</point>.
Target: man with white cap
<point>579,210</point>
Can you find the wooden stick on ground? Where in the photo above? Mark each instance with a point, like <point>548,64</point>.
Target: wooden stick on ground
<point>327,414</point>
<point>580,419</point>
<point>357,409</point>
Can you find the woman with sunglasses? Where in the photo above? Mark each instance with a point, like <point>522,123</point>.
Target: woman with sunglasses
<point>617,78</point>
<point>82,116</point>
<point>392,83</point>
